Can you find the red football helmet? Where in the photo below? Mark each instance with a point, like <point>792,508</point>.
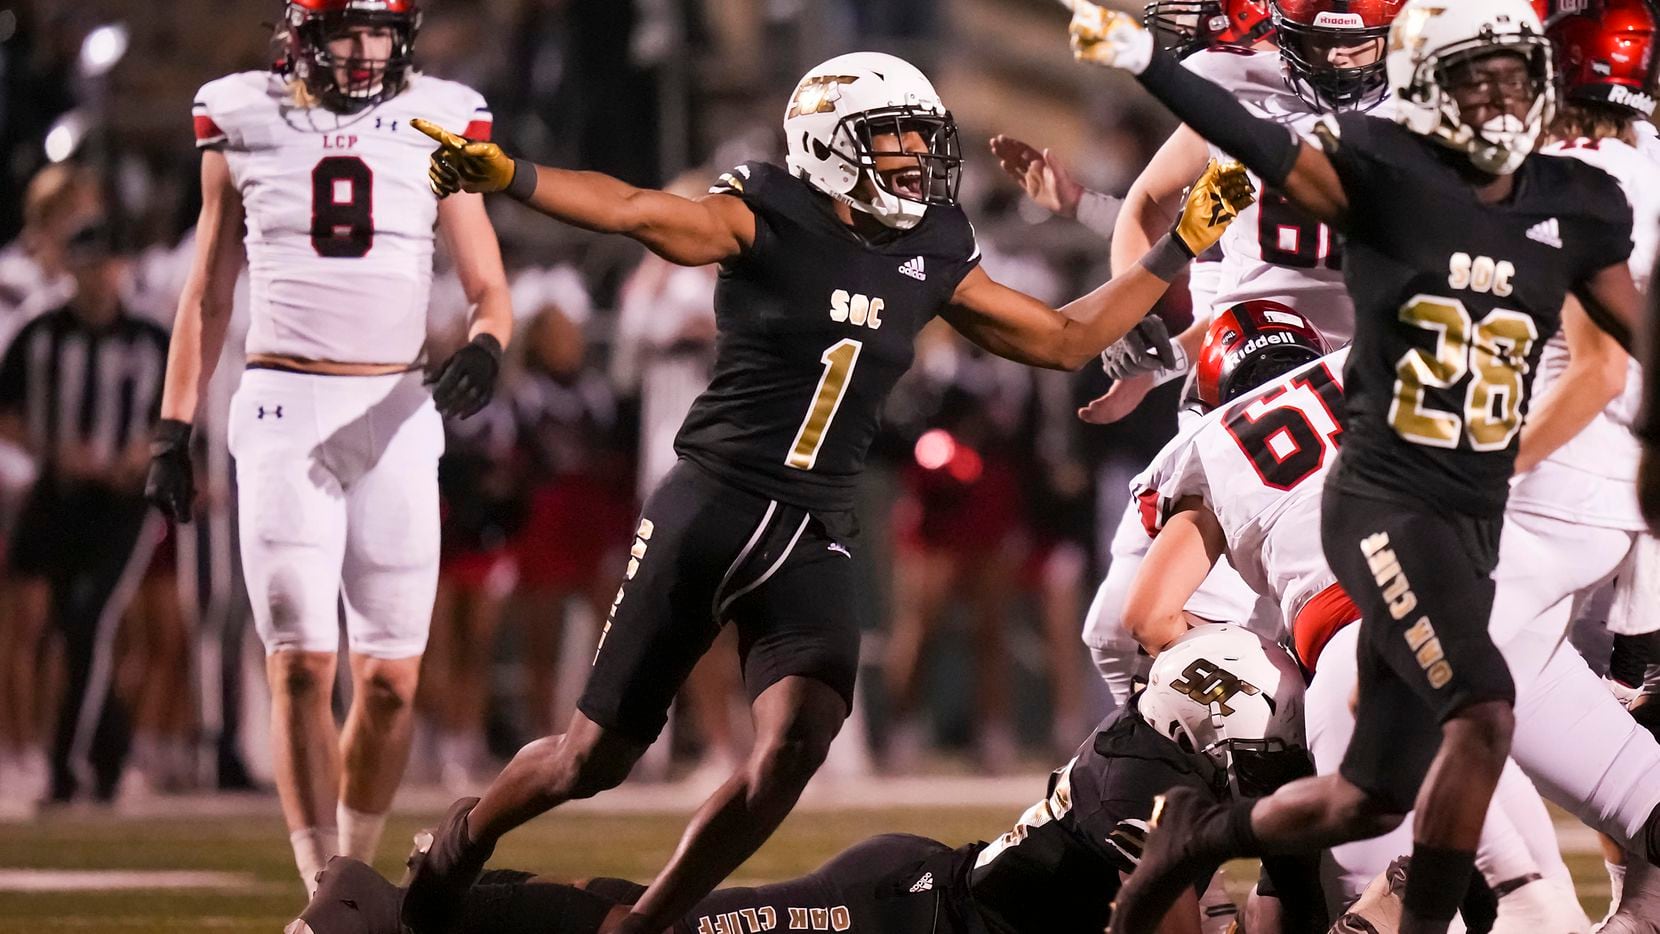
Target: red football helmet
<point>1321,41</point>
<point>310,24</point>
<point>1248,345</point>
<point>1606,54</point>
<point>1186,26</point>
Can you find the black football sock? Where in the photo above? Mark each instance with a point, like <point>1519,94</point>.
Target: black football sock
<point>1436,883</point>
<point>530,908</point>
<point>1224,832</point>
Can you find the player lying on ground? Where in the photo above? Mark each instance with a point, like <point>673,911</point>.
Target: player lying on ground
<point>1221,715</point>
<point>829,269</point>
<point>1460,250</point>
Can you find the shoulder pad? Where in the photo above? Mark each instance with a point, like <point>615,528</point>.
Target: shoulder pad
<point>451,103</point>
<point>224,106</point>
<point>743,179</point>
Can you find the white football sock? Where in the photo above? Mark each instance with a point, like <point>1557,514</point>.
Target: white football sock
<point>1616,884</point>
<point>313,847</point>
<point>359,832</point>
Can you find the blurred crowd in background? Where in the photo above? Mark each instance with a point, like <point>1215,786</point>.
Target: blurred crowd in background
<point>981,517</point>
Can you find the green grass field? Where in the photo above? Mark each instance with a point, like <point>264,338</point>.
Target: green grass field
<point>260,892</point>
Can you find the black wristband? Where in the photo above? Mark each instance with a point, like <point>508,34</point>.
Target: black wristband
<point>1265,147</point>
<point>1167,258</point>
<point>523,184</point>
<point>171,435</point>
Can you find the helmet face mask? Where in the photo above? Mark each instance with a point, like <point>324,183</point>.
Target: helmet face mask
<point>927,176</point>
<point>350,83</point>
<point>869,130</point>
<point>1443,59</point>
<point>1334,50</point>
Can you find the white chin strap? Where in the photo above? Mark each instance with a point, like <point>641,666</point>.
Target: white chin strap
<point>889,209</point>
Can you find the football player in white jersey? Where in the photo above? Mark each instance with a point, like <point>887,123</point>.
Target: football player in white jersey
<point>1245,483</point>
<point>335,436</point>
<point>1330,58</point>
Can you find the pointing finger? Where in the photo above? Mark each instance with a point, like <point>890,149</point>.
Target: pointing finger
<point>443,137</point>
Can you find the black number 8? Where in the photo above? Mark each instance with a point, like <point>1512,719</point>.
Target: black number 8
<point>1289,237</point>
<point>342,228</point>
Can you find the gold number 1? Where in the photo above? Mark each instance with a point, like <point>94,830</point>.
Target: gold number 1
<point>838,370</point>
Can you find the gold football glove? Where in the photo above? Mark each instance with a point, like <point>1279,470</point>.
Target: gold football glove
<point>1211,205</point>
<point>1109,38</point>
<point>459,164</point>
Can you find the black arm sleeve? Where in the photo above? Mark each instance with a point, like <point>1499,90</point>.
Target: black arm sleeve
<point>1266,148</point>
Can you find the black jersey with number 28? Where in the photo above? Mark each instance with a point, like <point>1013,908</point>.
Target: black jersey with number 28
<point>815,325</point>
<point>1454,300</point>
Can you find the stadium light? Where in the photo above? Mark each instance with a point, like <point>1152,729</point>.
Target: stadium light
<point>65,136</point>
<point>102,48</point>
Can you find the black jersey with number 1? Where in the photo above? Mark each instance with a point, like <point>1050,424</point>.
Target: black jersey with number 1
<point>815,325</point>
<point>1454,300</point>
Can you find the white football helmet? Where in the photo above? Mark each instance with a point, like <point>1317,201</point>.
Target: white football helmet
<point>1429,37</point>
<point>1225,692</point>
<point>839,107</point>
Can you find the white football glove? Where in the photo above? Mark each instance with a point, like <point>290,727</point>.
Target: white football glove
<point>1146,349</point>
<point>1109,38</point>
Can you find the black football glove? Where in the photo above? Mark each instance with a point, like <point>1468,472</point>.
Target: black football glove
<point>467,380</point>
<point>171,483</point>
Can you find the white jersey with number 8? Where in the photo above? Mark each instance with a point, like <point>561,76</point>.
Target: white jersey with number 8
<point>340,219</point>
<point>1273,250</point>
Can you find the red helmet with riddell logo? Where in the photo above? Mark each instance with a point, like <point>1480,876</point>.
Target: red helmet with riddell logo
<point>1187,26</point>
<point>348,83</point>
<point>1326,45</point>
<point>1605,53</point>
<point>1248,345</point>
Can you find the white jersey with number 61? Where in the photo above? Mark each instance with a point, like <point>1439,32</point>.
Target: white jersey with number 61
<point>340,218</point>
<point>1259,463</point>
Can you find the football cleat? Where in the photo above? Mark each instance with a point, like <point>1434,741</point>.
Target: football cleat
<point>1168,863</point>
<point>352,898</point>
<point>442,867</point>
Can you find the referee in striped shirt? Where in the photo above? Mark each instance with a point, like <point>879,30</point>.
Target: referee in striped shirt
<point>80,389</point>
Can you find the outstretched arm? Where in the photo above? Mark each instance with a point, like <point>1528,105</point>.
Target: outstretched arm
<point>688,232</point>
<point>1284,162</point>
<point>1021,328</point>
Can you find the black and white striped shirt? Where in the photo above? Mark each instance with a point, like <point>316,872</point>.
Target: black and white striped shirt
<point>97,387</point>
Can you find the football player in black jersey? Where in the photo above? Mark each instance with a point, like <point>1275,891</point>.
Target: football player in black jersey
<point>829,268</point>
<point>1461,248</point>
<point>1221,715</point>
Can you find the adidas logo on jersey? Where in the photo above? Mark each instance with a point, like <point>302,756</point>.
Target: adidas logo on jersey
<point>913,268</point>
<point>1547,232</point>
<point>924,884</point>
